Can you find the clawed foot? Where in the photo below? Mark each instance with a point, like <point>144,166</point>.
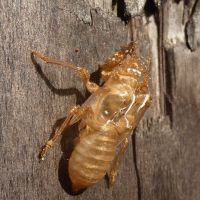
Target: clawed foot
<point>43,152</point>
<point>112,178</point>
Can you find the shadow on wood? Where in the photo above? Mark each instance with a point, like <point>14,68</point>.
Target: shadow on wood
<point>60,92</point>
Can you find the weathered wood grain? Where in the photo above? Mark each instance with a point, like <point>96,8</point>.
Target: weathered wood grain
<point>163,160</point>
<point>33,98</point>
<point>168,155</point>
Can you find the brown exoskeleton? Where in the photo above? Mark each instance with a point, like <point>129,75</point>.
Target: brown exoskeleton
<point>107,117</point>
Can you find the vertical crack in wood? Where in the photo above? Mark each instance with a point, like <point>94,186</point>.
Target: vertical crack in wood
<point>160,60</point>
<point>92,20</point>
<point>190,26</point>
<point>122,12</point>
<point>150,8</point>
<point>139,192</point>
<point>169,72</point>
<point>130,24</point>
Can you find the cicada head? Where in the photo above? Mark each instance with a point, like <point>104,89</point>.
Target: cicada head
<point>113,61</point>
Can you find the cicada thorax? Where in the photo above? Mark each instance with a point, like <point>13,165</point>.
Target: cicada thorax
<point>109,106</point>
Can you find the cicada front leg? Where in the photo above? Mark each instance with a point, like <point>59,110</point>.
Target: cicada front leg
<point>81,71</point>
<point>115,165</point>
<point>74,116</point>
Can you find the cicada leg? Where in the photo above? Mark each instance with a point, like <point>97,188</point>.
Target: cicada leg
<point>115,165</point>
<point>74,116</point>
<point>81,71</point>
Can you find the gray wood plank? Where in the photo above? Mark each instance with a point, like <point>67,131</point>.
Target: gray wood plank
<point>163,160</point>
<point>34,98</point>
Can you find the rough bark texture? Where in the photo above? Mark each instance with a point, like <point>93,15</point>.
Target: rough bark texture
<point>163,160</point>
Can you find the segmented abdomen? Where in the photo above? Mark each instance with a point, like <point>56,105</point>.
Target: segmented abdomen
<point>91,159</point>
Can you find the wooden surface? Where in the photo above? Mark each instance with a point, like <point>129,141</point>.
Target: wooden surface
<point>163,160</point>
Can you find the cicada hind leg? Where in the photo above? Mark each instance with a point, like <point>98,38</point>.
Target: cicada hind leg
<point>116,162</point>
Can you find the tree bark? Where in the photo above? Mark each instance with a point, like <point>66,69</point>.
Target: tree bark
<point>162,162</point>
